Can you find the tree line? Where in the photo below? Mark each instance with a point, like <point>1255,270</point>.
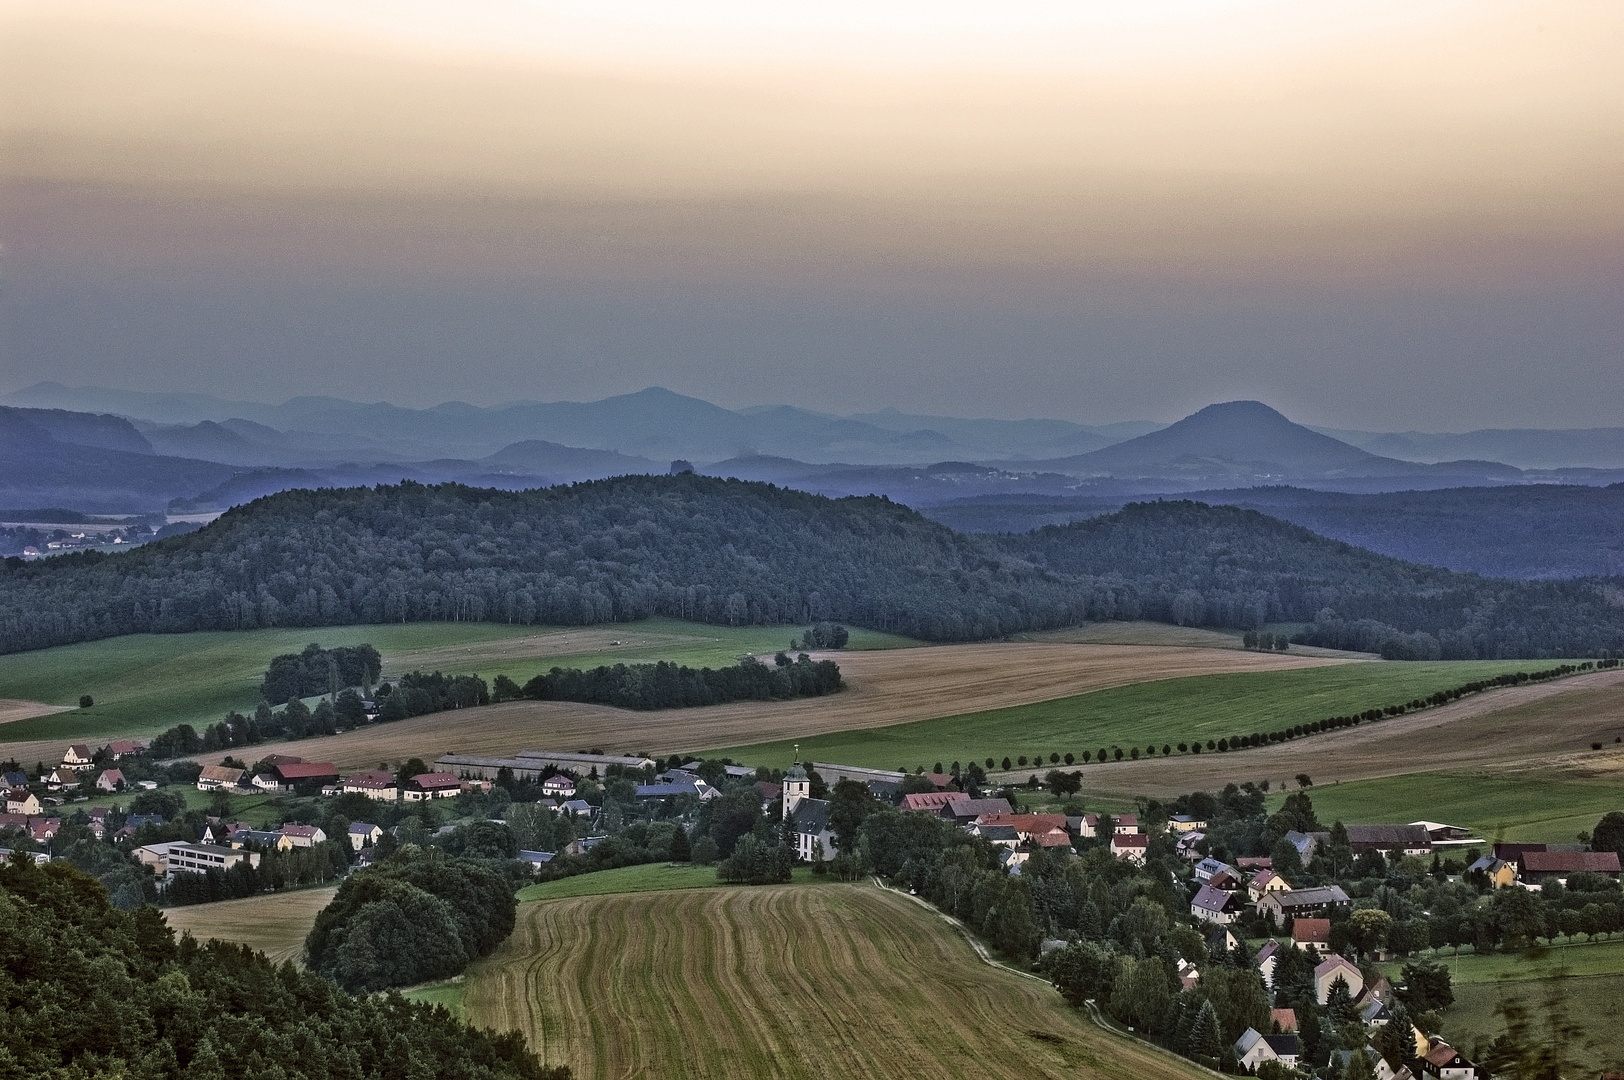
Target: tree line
<point>121,996</point>
<point>737,553</point>
<point>316,671</point>
<point>665,685</point>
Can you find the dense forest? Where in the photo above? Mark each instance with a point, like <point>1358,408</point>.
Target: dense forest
<point>665,685</point>
<point>94,991</point>
<point>316,670</point>
<point>732,552</point>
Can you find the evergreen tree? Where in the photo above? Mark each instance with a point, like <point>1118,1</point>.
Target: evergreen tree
<point>1204,1036</point>
<point>1339,1002</point>
<point>680,851</point>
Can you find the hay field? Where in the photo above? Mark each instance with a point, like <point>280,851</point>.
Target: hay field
<point>885,687</point>
<point>780,981</point>
<point>12,710</point>
<point>1522,731</point>
<point>274,923</point>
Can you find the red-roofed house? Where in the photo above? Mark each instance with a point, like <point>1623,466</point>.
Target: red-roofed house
<point>434,785</point>
<point>110,780</point>
<point>1313,936</point>
<point>1286,1019</point>
<point>1131,846</point>
<point>124,747</point>
<point>376,784</point>
<point>22,801</point>
<point>1446,1063</point>
<point>1123,823</point>
<point>931,801</point>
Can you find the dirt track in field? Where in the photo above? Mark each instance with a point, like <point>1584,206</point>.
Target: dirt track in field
<point>275,923</point>
<point>12,709</point>
<point>798,982</point>
<point>884,687</point>
<point>1543,726</point>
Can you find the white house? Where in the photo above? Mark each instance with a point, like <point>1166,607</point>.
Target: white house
<point>375,784</point>
<point>1329,971</point>
<point>364,834</point>
<point>216,777</point>
<point>559,786</point>
<point>1253,1049</point>
<point>1216,906</point>
<point>1130,846</point>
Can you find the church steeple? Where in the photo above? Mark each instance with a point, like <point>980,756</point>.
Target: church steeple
<point>797,785</point>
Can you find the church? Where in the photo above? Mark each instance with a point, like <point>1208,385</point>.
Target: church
<point>809,816</point>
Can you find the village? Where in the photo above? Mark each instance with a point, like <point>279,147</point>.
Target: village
<point>1277,918</point>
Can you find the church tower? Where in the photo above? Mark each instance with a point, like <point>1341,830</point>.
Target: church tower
<point>796,787</point>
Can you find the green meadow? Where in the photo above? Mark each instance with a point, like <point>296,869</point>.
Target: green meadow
<point>1170,711</point>
<point>1594,1004</point>
<point>145,683</point>
<point>1532,807</point>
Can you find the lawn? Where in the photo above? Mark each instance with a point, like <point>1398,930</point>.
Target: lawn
<point>1539,808</point>
<point>1594,1003</point>
<point>144,683</point>
<point>1580,957</point>
<point>652,877</point>
<point>448,994</point>
<point>1207,707</point>
<point>775,981</point>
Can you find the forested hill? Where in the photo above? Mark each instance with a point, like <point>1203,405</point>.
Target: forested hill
<point>732,552</point>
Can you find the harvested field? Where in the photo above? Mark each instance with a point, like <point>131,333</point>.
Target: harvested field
<point>1523,729</point>
<point>275,923</point>
<point>779,981</point>
<point>885,687</point>
<point>11,710</point>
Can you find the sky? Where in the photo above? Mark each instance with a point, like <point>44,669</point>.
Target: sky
<point>1384,215</point>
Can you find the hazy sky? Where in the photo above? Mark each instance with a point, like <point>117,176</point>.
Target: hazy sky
<point>1379,214</point>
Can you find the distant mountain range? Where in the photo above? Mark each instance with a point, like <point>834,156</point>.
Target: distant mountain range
<point>92,450</point>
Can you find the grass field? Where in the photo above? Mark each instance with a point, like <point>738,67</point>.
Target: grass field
<point>1595,1003</point>
<point>1166,711</point>
<point>776,981</point>
<point>882,687</point>
<point>145,683</point>
<point>654,877</point>
<point>1579,957</point>
<point>448,994</point>
<point>275,923</point>
<point>1551,809</point>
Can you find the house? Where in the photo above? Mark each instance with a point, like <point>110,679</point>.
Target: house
<point>536,859</point>
<point>268,782</point>
<point>1253,1049</point>
<point>1131,846</point>
<point>964,811</point>
<point>1185,847</point>
<point>674,785</point>
<point>1123,823</point>
<point>1222,942</point>
<point>1284,1019</point>
<point>22,801</point>
<point>1329,971</point>
<point>1031,827</point>
<point>156,856</point>
<point>218,777</point>
<point>1226,880</point>
<point>809,817</point>
<point>13,779</point>
<point>294,773</point>
<point>999,835</point>
<point>1208,867</point>
<point>1188,975</point>
<point>577,806</point>
<point>434,785</point>
<point>1265,881</point>
<point>110,780</point>
<point>1540,867</point>
<point>1496,872</point>
<point>1185,823</point>
<point>583,844</point>
<point>1267,957</point>
<point>42,829</point>
<point>265,838</point>
<point>1254,863</point>
<point>1217,906</point>
<point>1305,844</point>
<point>376,784</point>
<point>1297,903</point>
<point>559,786</point>
<point>301,836</point>
<point>1446,1063</point>
<point>78,756</point>
<point>61,779</point>
<point>121,748</point>
<point>1312,936</point>
<point>930,801</point>
<point>364,834</point>
<point>1373,1013</point>
<point>1406,839</point>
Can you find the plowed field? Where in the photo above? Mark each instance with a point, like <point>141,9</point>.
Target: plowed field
<point>883,688</point>
<point>790,981</point>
